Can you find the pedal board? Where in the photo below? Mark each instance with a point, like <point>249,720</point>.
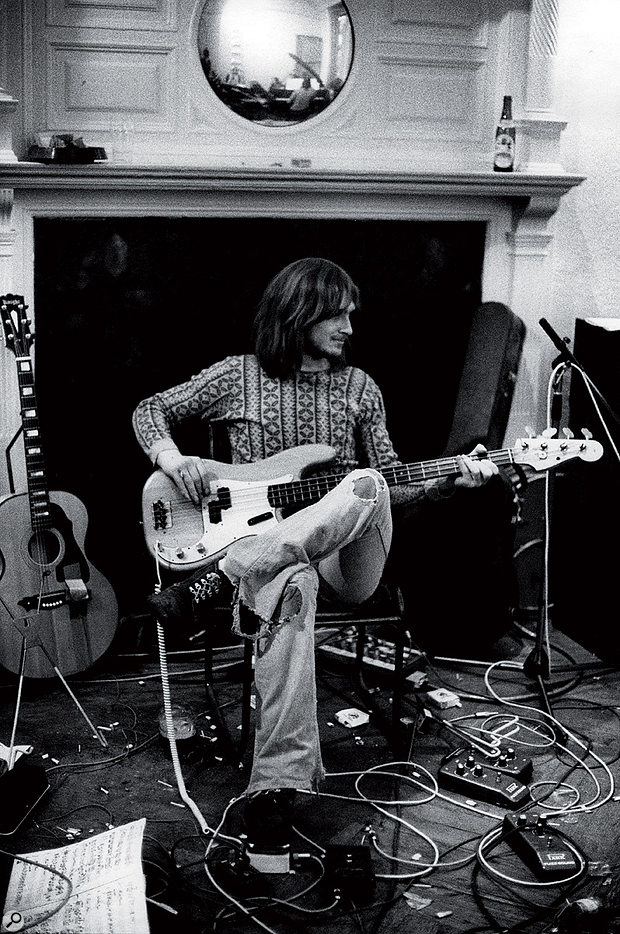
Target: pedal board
<point>378,653</point>
<point>474,778</point>
<point>505,760</point>
<point>539,846</point>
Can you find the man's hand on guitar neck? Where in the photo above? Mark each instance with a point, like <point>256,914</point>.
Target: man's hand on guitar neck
<point>186,472</point>
<point>476,468</point>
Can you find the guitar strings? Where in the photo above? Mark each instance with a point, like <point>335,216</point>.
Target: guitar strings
<point>313,488</point>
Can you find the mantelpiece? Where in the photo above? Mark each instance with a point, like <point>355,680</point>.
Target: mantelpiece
<point>523,189</point>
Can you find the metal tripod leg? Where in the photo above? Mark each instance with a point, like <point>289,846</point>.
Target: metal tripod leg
<point>20,684</point>
<point>94,729</point>
<point>22,666</point>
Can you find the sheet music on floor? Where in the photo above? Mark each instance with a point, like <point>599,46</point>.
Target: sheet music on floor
<point>109,888</point>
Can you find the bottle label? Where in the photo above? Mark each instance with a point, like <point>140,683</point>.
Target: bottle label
<point>504,148</point>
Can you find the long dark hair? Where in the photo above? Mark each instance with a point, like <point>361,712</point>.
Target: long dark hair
<point>304,292</point>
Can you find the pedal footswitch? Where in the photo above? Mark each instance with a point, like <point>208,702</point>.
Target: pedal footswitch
<point>539,846</point>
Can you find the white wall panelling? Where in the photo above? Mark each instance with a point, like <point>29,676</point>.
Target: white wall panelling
<point>441,22</point>
<point>443,66</point>
<point>89,86</point>
<point>112,14</point>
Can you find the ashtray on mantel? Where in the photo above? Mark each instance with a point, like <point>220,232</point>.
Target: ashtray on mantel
<point>67,154</point>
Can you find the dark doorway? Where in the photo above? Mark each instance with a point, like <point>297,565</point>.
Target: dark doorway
<point>127,306</point>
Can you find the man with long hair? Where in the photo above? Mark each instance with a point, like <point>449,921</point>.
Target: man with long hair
<point>296,389</point>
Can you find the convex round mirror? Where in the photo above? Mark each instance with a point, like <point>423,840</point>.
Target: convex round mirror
<point>275,62</point>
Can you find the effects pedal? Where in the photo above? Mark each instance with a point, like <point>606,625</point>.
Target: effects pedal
<point>505,759</point>
<point>539,846</point>
<point>472,777</point>
<point>21,790</point>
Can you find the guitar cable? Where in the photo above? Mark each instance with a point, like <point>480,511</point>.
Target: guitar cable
<point>170,729</point>
<point>213,834</point>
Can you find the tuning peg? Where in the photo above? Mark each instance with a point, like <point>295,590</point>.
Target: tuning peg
<point>549,432</point>
<point>529,431</point>
<point>587,434</point>
<point>567,433</point>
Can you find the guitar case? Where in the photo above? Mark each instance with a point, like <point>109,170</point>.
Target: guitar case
<point>487,381</point>
<point>454,558</point>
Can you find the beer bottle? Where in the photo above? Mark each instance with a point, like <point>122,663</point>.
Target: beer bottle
<point>505,134</point>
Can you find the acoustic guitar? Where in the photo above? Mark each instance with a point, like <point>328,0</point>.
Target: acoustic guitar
<point>247,499</point>
<point>56,610</point>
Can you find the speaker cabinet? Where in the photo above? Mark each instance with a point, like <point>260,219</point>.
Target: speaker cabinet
<point>586,508</point>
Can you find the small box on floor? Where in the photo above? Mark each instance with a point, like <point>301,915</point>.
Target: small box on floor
<point>276,859</point>
<point>349,871</point>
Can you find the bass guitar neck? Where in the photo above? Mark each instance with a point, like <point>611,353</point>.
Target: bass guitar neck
<point>248,499</point>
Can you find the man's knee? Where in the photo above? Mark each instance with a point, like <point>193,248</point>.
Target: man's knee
<point>368,484</point>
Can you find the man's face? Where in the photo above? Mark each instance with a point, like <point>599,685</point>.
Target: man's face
<point>326,339</point>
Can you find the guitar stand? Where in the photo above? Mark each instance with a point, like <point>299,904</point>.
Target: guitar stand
<point>77,590</point>
<point>22,665</point>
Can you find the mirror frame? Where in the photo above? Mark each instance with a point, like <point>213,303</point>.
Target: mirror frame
<point>283,105</point>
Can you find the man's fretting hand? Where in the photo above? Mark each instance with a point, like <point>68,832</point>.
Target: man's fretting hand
<point>474,471</point>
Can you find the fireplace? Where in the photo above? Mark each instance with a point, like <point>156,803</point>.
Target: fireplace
<point>128,306</point>
<point>159,268</point>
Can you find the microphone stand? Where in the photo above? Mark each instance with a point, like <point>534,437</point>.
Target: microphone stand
<point>537,665</point>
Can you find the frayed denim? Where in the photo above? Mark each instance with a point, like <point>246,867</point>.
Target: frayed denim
<point>338,545</point>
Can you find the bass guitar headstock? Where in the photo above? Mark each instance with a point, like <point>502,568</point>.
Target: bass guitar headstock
<point>16,324</point>
<point>545,452</point>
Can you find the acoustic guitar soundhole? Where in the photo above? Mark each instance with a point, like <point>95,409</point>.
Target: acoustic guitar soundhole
<point>45,547</point>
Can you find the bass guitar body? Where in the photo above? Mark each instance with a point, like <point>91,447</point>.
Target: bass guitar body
<point>243,501</point>
<point>56,610</point>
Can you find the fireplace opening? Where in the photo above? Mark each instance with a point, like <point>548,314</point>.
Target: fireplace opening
<point>127,306</point>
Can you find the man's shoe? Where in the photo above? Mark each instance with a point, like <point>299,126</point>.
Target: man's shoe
<point>179,602</point>
<point>268,817</point>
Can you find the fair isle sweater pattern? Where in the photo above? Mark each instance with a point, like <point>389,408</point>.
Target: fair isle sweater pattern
<point>263,415</point>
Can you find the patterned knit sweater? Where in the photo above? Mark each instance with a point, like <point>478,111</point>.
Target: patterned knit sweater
<point>263,416</point>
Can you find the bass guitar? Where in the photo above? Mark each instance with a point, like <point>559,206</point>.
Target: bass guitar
<point>56,610</point>
<point>247,499</point>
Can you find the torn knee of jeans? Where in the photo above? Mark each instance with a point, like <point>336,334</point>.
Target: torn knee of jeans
<point>246,622</point>
<point>365,488</point>
<point>289,606</point>
<point>249,624</point>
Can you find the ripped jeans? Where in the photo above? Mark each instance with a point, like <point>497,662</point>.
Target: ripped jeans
<point>339,544</point>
